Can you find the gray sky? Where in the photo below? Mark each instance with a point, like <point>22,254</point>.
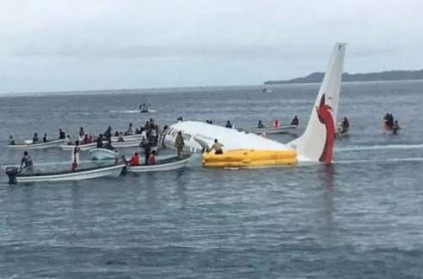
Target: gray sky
<point>60,45</point>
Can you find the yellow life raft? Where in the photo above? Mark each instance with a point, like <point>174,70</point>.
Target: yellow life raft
<point>245,158</point>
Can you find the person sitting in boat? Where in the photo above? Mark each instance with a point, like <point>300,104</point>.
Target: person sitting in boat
<point>260,124</point>
<point>217,147</point>
<point>108,133</point>
<point>179,144</point>
<point>100,141</point>
<point>62,134</point>
<point>26,164</point>
<point>75,156</point>
<point>11,140</point>
<point>68,140</point>
<point>395,127</point>
<point>152,158</point>
<point>120,137</point>
<point>295,121</point>
<point>345,125</point>
<point>229,124</point>
<point>135,160</point>
<point>276,124</point>
<point>35,138</point>
<point>45,137</point>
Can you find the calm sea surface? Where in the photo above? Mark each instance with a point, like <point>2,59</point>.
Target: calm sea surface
<point>361,217</point>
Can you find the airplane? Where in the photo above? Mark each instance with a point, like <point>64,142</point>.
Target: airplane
<point>248,150</point>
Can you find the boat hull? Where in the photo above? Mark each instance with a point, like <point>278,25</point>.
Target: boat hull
<point>103,154</point>
<point>110,171</point>
<point>41,145</point>
<point>128,138</point>
<point>171,164</point>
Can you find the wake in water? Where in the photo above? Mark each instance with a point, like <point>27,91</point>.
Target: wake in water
<point>125,111</point>
<point>128,111</point>
<point>379,147</point>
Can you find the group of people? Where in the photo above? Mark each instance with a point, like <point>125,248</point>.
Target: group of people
<point>390,123</point>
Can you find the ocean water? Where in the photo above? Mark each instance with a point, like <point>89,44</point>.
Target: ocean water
<point>361,217</point>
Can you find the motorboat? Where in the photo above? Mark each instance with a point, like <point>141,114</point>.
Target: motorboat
<point>89,146</point>
<point>41,145</point>
<point>290,130</point>
<point>68,175</point>
<point>127,138</point>
<point>103,154</point>
<point>341,132</point>
<point>166,164</point>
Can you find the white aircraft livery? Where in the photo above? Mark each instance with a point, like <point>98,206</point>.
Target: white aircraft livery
<point>314,145</point>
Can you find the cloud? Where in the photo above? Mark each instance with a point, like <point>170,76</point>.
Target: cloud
<point>288,38</point>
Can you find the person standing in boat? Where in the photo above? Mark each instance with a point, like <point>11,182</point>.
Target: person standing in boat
<point>11,140</point>
<point>108,133</point>
<point>179,144</point>
<point>130,130</point>
<point>35,138</point>
<point>295,121</point>
<point>100,141</point>
<point>395,127</point>
<point>75,156</point>
<point>217,147</point>
<point>45,137</point>
<point>26,164</point>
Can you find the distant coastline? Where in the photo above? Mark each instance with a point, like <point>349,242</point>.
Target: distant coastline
<point>317,77</point>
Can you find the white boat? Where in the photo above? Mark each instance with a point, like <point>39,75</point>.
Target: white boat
<point>103,154</point>
<point>167,164</point>
<point>128,138</point>
<point>82,147</point>
<point>126,144</point>
<point>89,146</point>
<point>42,145</point>
<point>291,130</point>
<point>82,174</point>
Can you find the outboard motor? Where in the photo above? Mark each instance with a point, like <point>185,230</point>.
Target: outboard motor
<point>12,172</point>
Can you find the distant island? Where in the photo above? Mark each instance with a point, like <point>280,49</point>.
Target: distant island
<point>346,77</point>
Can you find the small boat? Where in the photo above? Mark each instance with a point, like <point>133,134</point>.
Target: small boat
<point>81,174</point>
<point>340,133</point>
<point>266,90</point>
<point>125,144</point>
<point>128,138</point>
<point>167,164</point>
<point>103,154</point>
<point>291,130</point>
<point>144,108</point>
<point>89,146</point>
<point>42,145</point>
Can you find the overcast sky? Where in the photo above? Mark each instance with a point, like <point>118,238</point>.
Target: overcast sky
<point>60,45</point>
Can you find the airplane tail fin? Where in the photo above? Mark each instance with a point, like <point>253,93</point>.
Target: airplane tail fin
<point>316,143</point>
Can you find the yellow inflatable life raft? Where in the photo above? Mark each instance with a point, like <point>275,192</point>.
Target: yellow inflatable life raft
<point>245,158</point>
